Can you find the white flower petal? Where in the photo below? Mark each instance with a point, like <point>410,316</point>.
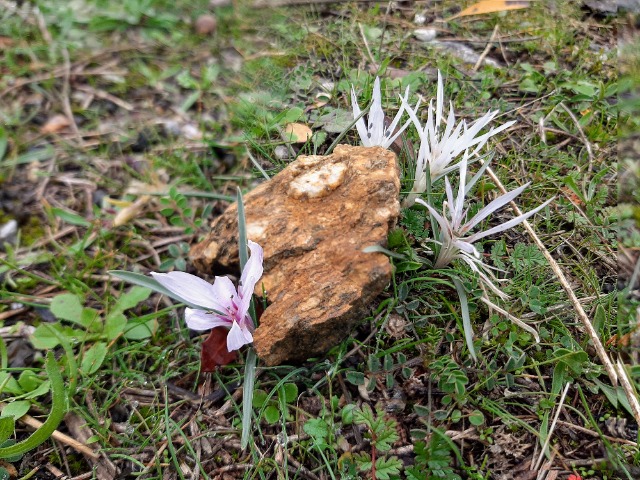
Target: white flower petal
<point>360,124</point>
<point>376,115</point>
<point>225,294</point>
<point>199,320</point>
<point>194,290</point>
<point>253,268</point>
<point>493,207</point>
<point>510,224</point>
<point>250,275</point>
<point>237,337</point>
<point>442,221</point>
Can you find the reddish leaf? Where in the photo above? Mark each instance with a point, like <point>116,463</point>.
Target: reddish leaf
<point>214,350</point>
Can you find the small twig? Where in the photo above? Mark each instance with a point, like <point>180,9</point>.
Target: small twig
<point>513,318</point>
<point>486,50</point>
<point>536,465</point>
<point>106,96</point>
<point>61,437</point>
<point>630,392</point>
<point>66,103</point>
<point>582,315</point>
<point>366,45</point>
<point>42,25</point>
<point>595,434</point>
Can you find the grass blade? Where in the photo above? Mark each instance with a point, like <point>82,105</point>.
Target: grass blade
<point>247,395</point>
<point>58,409</point>
<point>466,319</point>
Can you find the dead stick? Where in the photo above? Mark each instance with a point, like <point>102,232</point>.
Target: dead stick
<point>629,391</point>
<point>487,49</point>
<point>61,437</point>
<point>582,315</point>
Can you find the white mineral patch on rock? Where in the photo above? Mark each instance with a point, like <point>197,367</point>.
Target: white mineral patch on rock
<point>318,183</point>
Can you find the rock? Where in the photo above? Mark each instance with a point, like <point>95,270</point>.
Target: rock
<point>425,34</point>
<point>281,152</point>
<point>206,24</point>
<point>55,124</point>
<point>313,220</point>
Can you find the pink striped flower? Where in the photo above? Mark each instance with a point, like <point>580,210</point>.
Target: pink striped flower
<point>219,304</point>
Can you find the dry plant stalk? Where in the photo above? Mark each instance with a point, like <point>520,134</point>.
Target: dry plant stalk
<point>613,373</point>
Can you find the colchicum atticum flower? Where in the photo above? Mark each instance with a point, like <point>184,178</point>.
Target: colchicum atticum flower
<point>374,132</point>
<point>220,304</point>
<point>455,240</point>
<point>440,145</point>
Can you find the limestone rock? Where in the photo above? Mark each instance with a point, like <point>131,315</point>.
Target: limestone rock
<point>313,219</point>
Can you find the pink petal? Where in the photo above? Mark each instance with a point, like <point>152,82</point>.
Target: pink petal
<point>238,337</point>
<point>190,288</point>
<point>199,320</point>
<point>250,275</point>
<point>225,291</point>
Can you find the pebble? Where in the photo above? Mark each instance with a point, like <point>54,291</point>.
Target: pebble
<point>420,18</point>
<point>425,34</point>
<point>8,233</point>
<point>281,152</point>
<point>206,24</point>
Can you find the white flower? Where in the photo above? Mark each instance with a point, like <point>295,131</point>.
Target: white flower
<point>455,240</point>
<point>221,304</point>
<point>374,133</point>
<point>439,145</point>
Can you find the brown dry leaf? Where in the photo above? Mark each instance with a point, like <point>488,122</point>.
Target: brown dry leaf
<point>55,124</point>
<point>491,6</point>
<point>296,133</point>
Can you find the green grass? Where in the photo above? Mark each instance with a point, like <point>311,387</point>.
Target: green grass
<point>405,372</point>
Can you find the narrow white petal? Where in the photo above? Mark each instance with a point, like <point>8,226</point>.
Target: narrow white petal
<point>376,115</point>
<point>474,264</point>
<point>199,320</point>
<point>466,247</point>
<point>387,143</point>
<point>459,205</point>
<point>389,131</point>
<point>451,120</point>
<point>360,124</point>
<point>444,223</point>
<point>510,224</point>
<point>450,201</point>
<point>194,290</point>
<point>476,177</point>
<point>492,207</point>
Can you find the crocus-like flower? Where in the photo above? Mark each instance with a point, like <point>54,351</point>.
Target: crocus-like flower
<point>455,240</point>
<point>220,304</point>
<point>439,146</point>
<point>374,133</point>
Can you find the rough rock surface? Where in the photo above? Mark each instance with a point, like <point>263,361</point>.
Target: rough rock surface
<point>313,219</point>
